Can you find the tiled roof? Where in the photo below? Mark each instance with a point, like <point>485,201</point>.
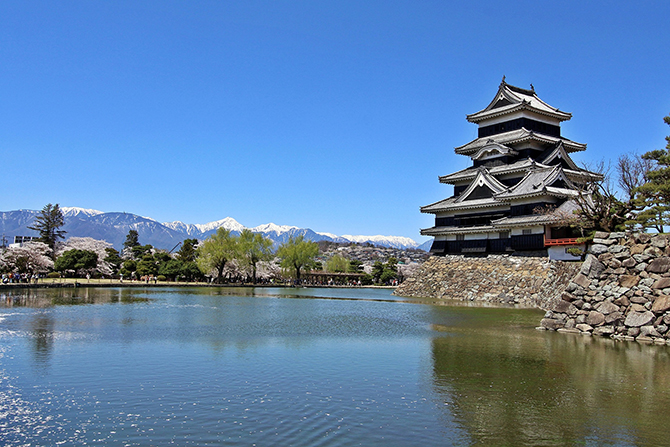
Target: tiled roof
<point>538,182</point>
<point>435,231</point>
<point>538,219</point>
<point>517,136</point>
<point>470,173</point>
<point>509,99</point>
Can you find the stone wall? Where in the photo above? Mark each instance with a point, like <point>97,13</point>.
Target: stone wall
<point>531,281</point>
<point>622,290</point>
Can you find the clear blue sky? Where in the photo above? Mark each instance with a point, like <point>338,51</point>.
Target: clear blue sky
<point>333,115</point>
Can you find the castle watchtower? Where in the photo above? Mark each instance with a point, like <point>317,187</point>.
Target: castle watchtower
<point>520,164</point>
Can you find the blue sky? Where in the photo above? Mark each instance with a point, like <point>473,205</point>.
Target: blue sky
<point>332,115</point>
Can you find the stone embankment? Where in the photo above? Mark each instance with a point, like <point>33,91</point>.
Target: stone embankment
<point>622,290</point>
<point>530,281</point>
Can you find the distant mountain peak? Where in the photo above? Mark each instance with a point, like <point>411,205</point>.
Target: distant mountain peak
<point>271,227</point>
<point>72,211</point>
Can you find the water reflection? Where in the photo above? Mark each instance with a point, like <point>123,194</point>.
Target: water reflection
<point>523,387</point>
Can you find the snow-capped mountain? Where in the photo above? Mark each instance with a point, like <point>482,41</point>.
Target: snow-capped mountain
<point>72,211</point>
<point>386,241</point>
<point>113,228</point>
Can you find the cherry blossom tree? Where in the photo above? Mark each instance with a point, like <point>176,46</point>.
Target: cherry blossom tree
<point>30,257</point>
<point>89,244</point>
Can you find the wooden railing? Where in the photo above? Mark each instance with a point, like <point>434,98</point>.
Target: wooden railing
<point>560,241</point>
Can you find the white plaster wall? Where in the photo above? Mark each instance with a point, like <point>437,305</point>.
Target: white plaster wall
<point>559,253</point>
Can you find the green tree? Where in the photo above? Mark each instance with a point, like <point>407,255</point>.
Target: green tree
<point>47,223</point>
<point>337,264</point>
<point>147,266</point>
<point>187,252</point>
<point>171,269</point>
<point>190,271</point>
<point>78,260</point>
<point>216,251</point>
<point>355,266</point>
<point>252,249</point>
<point>114,259</point>
<point>132,240</point>
<point>654,195</point>
<point>297,255</point>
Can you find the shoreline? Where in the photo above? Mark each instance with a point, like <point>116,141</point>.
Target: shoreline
<point>102,283</point>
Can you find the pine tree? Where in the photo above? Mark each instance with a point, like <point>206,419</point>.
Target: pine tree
<point>48,223</point>
<point>654,195</point>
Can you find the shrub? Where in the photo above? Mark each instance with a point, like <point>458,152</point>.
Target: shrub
<point>161,277</point>
<point>53,275</point>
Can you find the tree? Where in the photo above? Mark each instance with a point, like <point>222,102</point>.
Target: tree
<point>598,206</point>
<point>132,240</point>
<point>113,259</point>
<point>252,249</point>
<point>187,252</point>
<point>147,266</point>
<point>89,244</point>
<point>31,257</point>
<point>337,264</point>
<point>171,269</point>
<point>215,252</point>
<point>79,261</point>
<point>654,195</point>
<point>47,224</point>
<point>297,255</point>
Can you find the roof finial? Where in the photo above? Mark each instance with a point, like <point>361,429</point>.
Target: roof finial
<point>503,81</point>
<point>531,87</point>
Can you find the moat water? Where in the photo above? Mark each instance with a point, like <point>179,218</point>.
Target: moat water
<point>312,367</point>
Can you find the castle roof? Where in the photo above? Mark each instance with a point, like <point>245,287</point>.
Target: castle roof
<point>515,137</point>
<point>549,181</point>
<point>510,99</point>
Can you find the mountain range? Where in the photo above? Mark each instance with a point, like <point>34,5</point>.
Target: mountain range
<point>113,228</point>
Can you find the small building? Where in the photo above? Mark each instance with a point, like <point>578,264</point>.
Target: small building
<point>521,179</point>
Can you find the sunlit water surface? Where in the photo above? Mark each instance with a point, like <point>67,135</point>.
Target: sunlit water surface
<point>312,367</point>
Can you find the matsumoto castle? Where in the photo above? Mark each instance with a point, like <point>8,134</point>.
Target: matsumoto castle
<point>520,163</point>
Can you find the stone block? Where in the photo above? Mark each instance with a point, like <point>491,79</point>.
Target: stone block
<point>563,307</point>
<point>565,296</point>
<point>614,316</point>
<point>597,240</point>
<point>584,327</point>
<point>550,323</point>
<point>642,238</point>
<point>582,281</point>
<point>603,331</point>
<point>607,307</point>
<point>568,331</point>
<point>653,252</point>
<point>595,318</point>
<point>638,249</point>
<point>601,235</point>
<point>641,267</point>
<point>661,304</point>
<point>628,281</point>
<point>622,301</point>
<point>637,319</point>
<point>662,283</point>
<point>635,307</point>
<point>605,257</point>
<point>597,249</point>
<point>659,241</point>
<point>659,265</point>
<point>629,263</point>
<point>618,235</point>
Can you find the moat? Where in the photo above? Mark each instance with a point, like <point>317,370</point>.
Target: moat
<point>312,367</point>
